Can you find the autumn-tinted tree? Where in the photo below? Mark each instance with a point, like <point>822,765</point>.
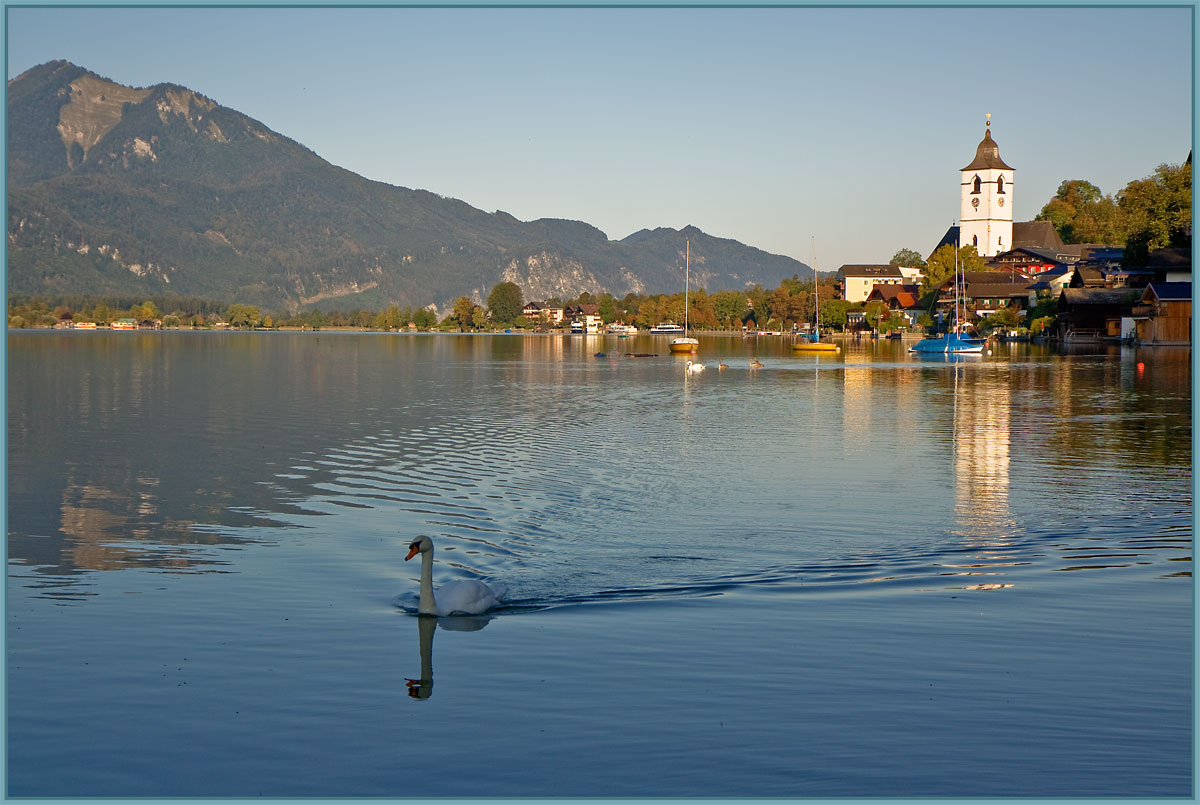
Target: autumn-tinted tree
<point>1081,213</point>
<point>461,314</point>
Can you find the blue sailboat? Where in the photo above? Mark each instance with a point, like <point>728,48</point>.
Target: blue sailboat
<point>952,342</point>
<point>948,343</point>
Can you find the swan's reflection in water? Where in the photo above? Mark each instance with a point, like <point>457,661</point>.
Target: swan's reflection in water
<point>426,625</point>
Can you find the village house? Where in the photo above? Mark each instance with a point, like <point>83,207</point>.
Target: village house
<point>1164,314</point>
<point>985,292</point>
<point>902,299</point>
<point>535,311</point>
<point>590,316</point>
<point>1051,283</point>
<point>855,282</point>
<point>1033,260</point>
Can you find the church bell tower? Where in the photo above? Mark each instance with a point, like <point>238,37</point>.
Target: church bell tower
<point>986,214</point>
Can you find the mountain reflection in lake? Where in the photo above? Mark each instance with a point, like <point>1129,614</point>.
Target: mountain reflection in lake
<point>908,570</point>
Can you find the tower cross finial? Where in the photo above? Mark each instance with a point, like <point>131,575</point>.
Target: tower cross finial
<point>989,120</point>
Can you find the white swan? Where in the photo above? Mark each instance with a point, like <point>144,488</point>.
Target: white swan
<point>460,597</point>
<point>693,368</point>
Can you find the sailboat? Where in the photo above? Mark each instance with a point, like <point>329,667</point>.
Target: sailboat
<point>812,341</point>
<point>685,343</point>
<point>952,342</point>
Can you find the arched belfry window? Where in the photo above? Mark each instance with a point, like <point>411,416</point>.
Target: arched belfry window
<point>975,241</point>
<point>1000,185</point>
<point>976,185</point>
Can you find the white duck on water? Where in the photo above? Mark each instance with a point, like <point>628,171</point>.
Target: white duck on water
<point>459,597</point>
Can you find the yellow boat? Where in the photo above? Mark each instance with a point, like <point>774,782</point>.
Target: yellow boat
<point>685,344</point>
<point>682,345</point>
<point>814,346</point>
<point>813,343</point>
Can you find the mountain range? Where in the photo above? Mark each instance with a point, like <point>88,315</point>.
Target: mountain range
<point>116,190</point>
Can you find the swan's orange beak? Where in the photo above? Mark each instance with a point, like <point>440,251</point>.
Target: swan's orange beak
<point>411,553</point>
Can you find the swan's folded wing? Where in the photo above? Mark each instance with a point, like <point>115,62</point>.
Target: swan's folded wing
<point>468,596</point>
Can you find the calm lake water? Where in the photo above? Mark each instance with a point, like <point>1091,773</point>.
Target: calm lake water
<point>855,575</point>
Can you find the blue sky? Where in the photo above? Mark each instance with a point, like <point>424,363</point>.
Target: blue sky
<point>772,126</point>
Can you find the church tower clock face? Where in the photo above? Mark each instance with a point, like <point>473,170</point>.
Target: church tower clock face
<point>985,214</point>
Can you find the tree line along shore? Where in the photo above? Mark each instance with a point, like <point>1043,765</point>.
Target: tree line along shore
<point>789,305</point>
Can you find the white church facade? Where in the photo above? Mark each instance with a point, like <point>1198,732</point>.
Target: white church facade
<point>986,211</point>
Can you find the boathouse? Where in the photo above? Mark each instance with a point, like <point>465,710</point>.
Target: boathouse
<point>1164,314</point>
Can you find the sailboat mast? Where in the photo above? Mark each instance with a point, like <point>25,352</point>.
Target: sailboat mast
<point>816,300</point>
<point>687,260</point>
<point>956,291</point>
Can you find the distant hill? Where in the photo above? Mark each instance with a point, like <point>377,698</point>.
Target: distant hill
<point>120,190</point>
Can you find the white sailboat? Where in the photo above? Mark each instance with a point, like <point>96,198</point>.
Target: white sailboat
<point>685,343</point>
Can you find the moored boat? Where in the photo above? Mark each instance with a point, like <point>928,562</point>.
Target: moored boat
<point>948,343</point>
<point>814,346</point>
<point>685,343</point>
<point>952,342</point>
<point>811,342</point>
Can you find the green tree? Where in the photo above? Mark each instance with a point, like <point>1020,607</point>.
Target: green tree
<point>908,258</point>
<point>505,302</point>
<point>607,308</point>
<point>243,316</point>
<point>877,314</point>
<point>941,265</point>
<point>728,307</point>
<point>1006,318</point>
<point>1158,212</point>
<point>833,313</point>
<point>424,318</point>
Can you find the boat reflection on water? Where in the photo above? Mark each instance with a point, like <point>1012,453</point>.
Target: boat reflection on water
<point>422,688</point>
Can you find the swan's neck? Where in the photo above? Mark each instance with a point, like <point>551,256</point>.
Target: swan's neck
<point>427,605</point>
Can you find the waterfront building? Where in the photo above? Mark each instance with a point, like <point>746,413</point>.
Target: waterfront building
<point>1164,313</point>
<point>855,282</point>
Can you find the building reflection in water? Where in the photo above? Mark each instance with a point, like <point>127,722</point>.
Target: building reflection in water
<point>981,454</point>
